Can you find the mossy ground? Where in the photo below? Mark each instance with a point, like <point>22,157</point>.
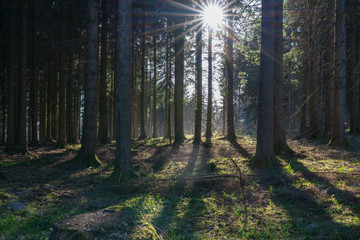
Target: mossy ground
<point>313,194</point>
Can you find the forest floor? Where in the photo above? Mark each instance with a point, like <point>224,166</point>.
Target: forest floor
<point>185,192</point>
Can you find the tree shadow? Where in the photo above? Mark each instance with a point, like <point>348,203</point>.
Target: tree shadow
<point>309,216</point>
<point>240,149</point>
<point>342,196</point>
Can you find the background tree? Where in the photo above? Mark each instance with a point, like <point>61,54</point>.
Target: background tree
<point>123,158</point>
<point>198,71</point>
<point>265,129</point>
<point>87,156</point>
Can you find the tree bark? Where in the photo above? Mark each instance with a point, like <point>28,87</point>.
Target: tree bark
<point>265,129</point>
<point>329,67</point>
<point>312,68</point>
<point>35,83</point>
<point>123,158</point>
<point>10,134</point>
<point>103,125</point>
<point>155,90</point>
<point>198,72</point>
<point>280,145</point>
<point>50,87</point>
<point>179,82</point>
<point>354,84</point>
<point>338,132</point>
<point>230,78</point>
<point>87,155</point>
<point>142,88</point>
<point>22,143</point>
<point>208,133</point>
<point>61,141</point>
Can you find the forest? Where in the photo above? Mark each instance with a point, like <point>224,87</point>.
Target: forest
<point>179,119</point>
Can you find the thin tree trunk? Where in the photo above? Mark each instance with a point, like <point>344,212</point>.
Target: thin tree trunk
<point>265,129</point>
<point>49,123</point>
<point>34,85</point>
<point>208,133</point>
<point>314,126</point>
<point>22,144</point>
<point>123,157</point>
<point>55,105</point>
<point>142,90</point>
<point>103,126</point>
<point>179,82</point>
<point>10,137</point>
<point>61,141</point>
<point>198,111</point>
<point>329,68</point>
<point>338,132</point>
<point>154,90</point>
<point>70,99</point>
<point>230,77</point>
<point>87,155</point>
<point>354,84</point>
<point>280,145</point>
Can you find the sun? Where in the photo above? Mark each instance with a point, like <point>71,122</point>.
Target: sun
<point>213,15</point>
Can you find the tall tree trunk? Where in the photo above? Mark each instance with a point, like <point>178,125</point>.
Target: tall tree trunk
<point>123,158</point>
<point>265,129</point>
<point>338,132</point>
<point>22,144</point>
<point>208,133</point>
<point>198,71</point>
<point>34,85</point>
<point>329,67</point>
<point>103,126</point>
<point>304,98</point>
<point>179,81</point>
<point>50,97</point>
<point>87,155</point>
<point>114,97</point>
<point>154,90</point>
<point>142,90</point>
<point>55,98</point>
<point>10,134</point>
<point>354,84</point>
<point>70,100</point>
<point>61,141</point>
<point>280,145</point>
<point>312,67</point>
<point>133,93</point>
<point>167,90</point>
<point>230,78</point>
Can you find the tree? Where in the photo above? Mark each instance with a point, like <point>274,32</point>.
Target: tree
<point>123,158</point>
<point>338,131</point>
<point>208,132</point>
<point>142,88</point>
<point>230,84</point>
<point>354,84</point>
<point>328,69</point>
<point>280,145</point>
<point>61,141</point>
<point>154,90</point>
<point>265,129</point>
<point>21,141</point>
<point>35,82</point>
<point>312,69</point>
<point>179,81</point>
<point>103,116</point>
<point>87,156</point>
<point>198,72</point>
<point>10,134</point>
